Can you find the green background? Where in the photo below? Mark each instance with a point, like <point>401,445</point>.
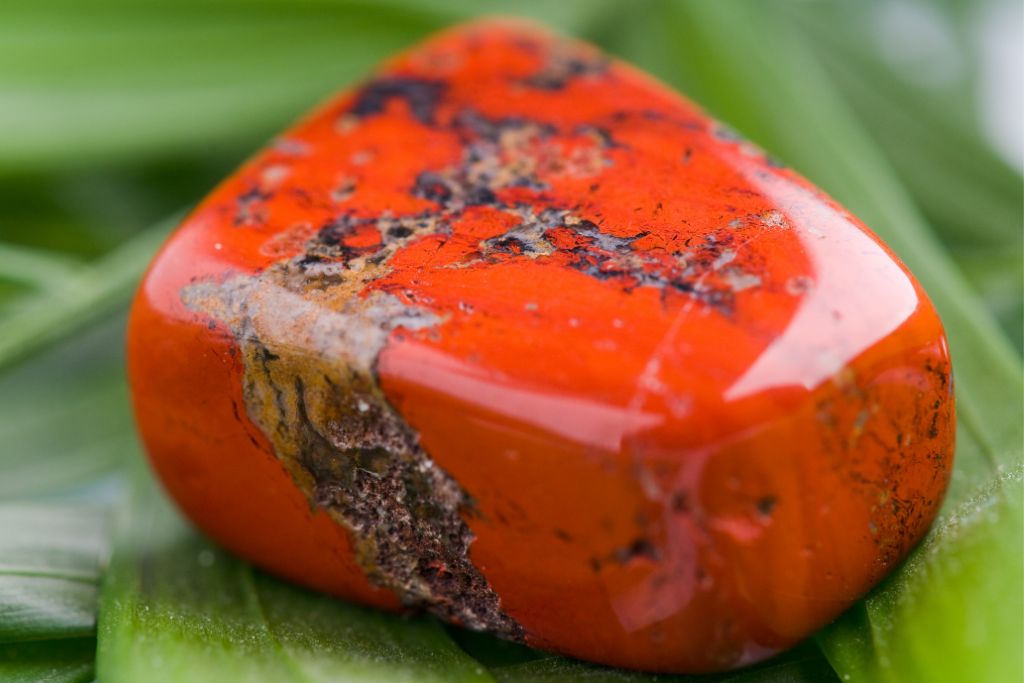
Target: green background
<point>117,115</point>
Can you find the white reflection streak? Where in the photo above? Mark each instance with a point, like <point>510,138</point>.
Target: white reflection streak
<point>860,295</point>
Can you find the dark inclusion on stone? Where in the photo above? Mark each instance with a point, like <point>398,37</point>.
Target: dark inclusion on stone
<point>421,94</point>
<point>491,148</point>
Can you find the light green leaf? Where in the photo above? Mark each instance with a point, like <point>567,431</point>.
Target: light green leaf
<point>50,558</point>
<point>111,81</point>
<point>102,82</point>
<point>60,661</point>
<point>34,267</point>
<point>64,417</point>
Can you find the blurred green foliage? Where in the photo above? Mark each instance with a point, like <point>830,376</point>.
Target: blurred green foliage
<point>117,115</point>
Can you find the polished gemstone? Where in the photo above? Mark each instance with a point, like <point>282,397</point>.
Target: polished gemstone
<point>513,334</point>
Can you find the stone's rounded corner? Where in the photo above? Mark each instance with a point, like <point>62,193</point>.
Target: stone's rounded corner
<point>185,381</point>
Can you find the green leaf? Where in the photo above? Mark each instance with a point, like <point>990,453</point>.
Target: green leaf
<point>71,303</point>
<point>997,273</point>
<point>102,82</point>
<point>74,217</point>
<point>177,608</point>
<point>34,267</point>
<point>61,661</point>
<point>113,81</point>
<point>64,417</point>
<point>50,558</point>
<point>490,651</point>
<point>804,664</point>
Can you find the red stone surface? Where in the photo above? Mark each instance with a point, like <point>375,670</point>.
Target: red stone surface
<point>696,409</point>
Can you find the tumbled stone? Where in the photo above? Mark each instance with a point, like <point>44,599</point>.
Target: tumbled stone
<point>513,334</point>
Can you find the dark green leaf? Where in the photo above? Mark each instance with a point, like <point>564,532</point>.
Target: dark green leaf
<point>805,664</point>
<point>491,651</point>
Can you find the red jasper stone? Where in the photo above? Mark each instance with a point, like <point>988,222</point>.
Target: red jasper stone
<point>515,334</point>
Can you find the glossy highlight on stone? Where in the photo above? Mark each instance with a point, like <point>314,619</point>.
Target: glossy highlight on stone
<point>513,334</point>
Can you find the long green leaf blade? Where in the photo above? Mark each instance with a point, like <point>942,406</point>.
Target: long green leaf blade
<point>61,661</point>
<point>111,81</point>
